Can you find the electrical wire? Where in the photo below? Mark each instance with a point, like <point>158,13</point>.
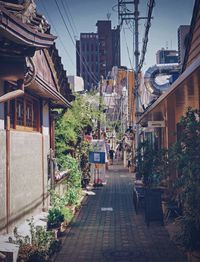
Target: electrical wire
<point>131,66</point>
<point>150,5</point>
<point>72,19</point>
<point>115,51</point>
<point>66,13</point>
<point>55,30</point>
<point>84,62</point>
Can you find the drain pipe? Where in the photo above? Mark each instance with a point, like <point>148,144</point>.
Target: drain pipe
<point>21,83</point>
<point>15,93</point>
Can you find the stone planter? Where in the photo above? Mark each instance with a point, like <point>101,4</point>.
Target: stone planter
<point>153,206</point>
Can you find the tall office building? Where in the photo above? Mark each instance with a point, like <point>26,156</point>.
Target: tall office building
<point>87,59</point>
<point>165,56</point>
<point>97,53</point>
<point>183,34</point>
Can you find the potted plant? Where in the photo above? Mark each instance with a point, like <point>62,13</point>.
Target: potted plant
<point>185,153</point>
<point>152,166</point>
<point>55,218</point>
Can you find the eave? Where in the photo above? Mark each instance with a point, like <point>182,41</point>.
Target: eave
<point>43,89</point>
<point>14,29</point>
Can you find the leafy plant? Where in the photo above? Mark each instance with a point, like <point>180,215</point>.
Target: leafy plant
<point>55,216</point>
<point>68,215</point>
<point>74,177</point>
<point>37,255</point>
<point>83,157</point>
<point>55,246</point>
<point>185,155</point>
<point>37,246</point>
<point>152,164</point>
<point>71,126</point>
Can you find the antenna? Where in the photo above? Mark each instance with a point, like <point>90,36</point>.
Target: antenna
<point>167,45</point>
<point>108,15</point>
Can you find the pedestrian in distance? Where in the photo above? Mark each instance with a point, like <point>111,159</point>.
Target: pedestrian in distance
<point>111,154</point>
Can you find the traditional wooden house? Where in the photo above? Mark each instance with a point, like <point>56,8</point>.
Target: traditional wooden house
<point>32,83</point>
<point>184,92</point>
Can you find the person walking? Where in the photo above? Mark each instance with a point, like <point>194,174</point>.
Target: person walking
<point>111,153</point>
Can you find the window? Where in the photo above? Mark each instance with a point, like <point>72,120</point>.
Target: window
<point>25,114</point>
<point>20,119</point>
<point>92,47</point>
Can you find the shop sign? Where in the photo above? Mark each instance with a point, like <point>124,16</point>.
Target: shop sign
<point>97,157</point>
<point>156,123</point>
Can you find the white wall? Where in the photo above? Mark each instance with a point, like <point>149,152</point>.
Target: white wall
<point>76,83</point>
<point>45,115</point>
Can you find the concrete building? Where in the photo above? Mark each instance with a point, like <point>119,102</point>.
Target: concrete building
<point>165,56</point>
<point>97,53</point>
<point>32,83</point>
<point>87,59</point>
<point>183,36</point>
<point>76,83</point>
<point>109,47</point>
<point>119,98</point>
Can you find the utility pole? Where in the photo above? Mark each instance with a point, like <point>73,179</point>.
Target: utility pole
<point>125,14</point>
<point>137,54</point>
<point>100,107</point>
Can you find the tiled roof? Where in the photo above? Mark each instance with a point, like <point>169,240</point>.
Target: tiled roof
<point>60,73</point>
<point>27,13</point>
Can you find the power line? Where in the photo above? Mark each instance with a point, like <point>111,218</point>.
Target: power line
<point>151,5</point>
<point>66,13</point>
<point>55,30</point>
<point>84,63</point>
<point>127,48</point>
<point>115,51</point>
<point>72,19</point>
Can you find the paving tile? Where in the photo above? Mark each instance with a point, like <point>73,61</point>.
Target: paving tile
<point>118,235</point>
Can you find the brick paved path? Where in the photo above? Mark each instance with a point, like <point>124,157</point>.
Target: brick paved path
<point>118,235</point>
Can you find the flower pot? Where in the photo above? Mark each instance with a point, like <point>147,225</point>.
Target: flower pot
<point>153,205</point>
<point>53,225</point>
<point>193,256</point>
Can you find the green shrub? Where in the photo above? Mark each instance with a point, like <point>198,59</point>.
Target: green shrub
<point>68,215</point>
<point>55,216</point>
<point>186,157</point>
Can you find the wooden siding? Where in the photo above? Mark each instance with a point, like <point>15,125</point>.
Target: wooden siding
<point>195,44</point>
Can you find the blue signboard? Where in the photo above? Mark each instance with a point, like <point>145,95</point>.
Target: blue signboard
<point>97,157</point>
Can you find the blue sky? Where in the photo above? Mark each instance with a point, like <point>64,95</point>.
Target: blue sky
<point>168,15</point>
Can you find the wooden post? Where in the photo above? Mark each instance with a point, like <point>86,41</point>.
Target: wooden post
<point>7,166</point>
<point>52,168</point>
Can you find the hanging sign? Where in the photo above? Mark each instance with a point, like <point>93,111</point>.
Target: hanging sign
<point>156,123</point>
<point>97,157</point>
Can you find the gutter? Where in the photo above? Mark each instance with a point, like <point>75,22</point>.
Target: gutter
<point>21,83</point>
<point>13,94</point>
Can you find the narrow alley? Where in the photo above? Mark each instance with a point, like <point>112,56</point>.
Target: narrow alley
<point>108,229</point>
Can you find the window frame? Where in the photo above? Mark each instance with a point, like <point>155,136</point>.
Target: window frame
<point>36,106</point>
